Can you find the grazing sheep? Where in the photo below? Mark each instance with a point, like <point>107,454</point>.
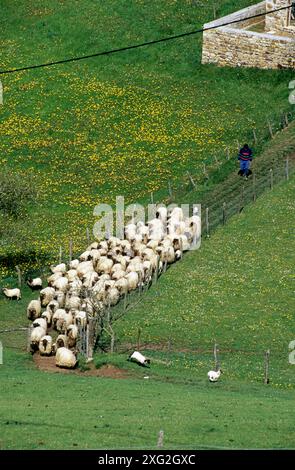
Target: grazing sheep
<point>81,319</point>
<point>86,256</point>
<point>51,279</point>
<point>35,284</point>
<point>46,345</point>
<point>46,296</point>
<point>34,310</point>
<point>132,280</point>
<point>139,359</point>
<point>40,322</point>
<point>60,299</point>
<point>36,335</point>
<point>84,267</point>
<point>12,294</point>
<point>122,285</point>
<point>65,358</point>
<point>61,342</point>
<point>104,265</point>
<point>213,375</point>
<point>72,301</point>
<point>52,306</point>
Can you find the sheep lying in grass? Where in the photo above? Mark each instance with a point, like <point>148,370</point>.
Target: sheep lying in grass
<point>12,294</point>
<point>65,358</point>
<point>213,375</point>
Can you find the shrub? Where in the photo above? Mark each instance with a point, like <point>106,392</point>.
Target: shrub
<point>16,190</point>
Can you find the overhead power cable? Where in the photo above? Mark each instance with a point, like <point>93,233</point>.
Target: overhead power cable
<point>136,46</point>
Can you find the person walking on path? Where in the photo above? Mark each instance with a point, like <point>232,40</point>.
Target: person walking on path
<point>245,157</point>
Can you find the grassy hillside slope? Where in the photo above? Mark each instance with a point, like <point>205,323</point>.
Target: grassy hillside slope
<point>121,124</point>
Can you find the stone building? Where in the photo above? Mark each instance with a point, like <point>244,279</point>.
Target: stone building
<point>267,41</point>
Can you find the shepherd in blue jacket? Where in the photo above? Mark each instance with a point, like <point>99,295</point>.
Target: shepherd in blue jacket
<point>245,157</point>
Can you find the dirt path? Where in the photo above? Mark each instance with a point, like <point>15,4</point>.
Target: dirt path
<point>47,364</point>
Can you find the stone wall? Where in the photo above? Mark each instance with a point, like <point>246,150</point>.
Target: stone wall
<point>234,46</point>
<point>280,19</point>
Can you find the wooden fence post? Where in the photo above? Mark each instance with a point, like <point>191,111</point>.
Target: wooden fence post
<point>227,153</point>
<point>287,168</point>
<point>255,136</point>
<point>29,338</point>
<point>160,439</point>
<point>60,255</point>
<point>156,275</point>
<point>207,223</point>
<point>19,276</point>
<point>191,180</point>
<point>152,197</point>
<point>88,236</point>
<point>216,359</point>
<point>270,129</point>
<point>138,338</point>
<point>242,198</point>
<point>266,367</point>
<point>271,178</point>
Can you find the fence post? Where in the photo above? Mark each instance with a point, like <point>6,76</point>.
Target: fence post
<point>205,171</point>
<point>125,300</point>
<point>270,129</point>
<point>138,338</point>
<point>271,178</point>
<point>87,235</point>
<point>223,213</point>
<point>156,275</point>
<point>191,180</point>
<point>160,439</point>
<point>207,223</point>
<point>19,276</point>
<point>242,198</point>
<point>215,352</point>
<point>152,197</point>
<point>266,367</point>
<point>287,168</point>
<point>60,255</point>
<point>286,120</point>
<point>29,338</point>
<point>255,136</point>
<point>254,187</point>
<point>227,153</point>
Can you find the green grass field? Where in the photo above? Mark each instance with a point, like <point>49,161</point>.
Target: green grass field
<point>122,124</point>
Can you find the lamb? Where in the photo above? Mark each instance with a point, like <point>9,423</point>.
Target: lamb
<point>35,338</point>
<point>34,310</point>
<point>46,296</point>
<point>61,342</point>
<point>213,375</point>
<point>12,293</point>
<point>35,284</point>
<point>139,359</point>
<point>46,345</point>
<point>65,358</point>
<point>40,322</point>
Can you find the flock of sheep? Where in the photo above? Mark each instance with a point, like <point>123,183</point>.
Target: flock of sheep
<point>106,271</point>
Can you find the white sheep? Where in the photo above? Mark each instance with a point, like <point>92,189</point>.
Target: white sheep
<point>132,280</point>
<point>74,263</point>
<point>72,333</point>
<point>58,268</point>
<point>139,359</point>
<point>60,298</point>
<point>47,315</point>
<point>34,310</point>
<point>213,375</point>
<point>36,335</point>
<point>40,322</point>
<point>61,284</point>
<point>35,284</point>
<point>46,296</point>
<point>46,345</point>
<point>61,342</point>
<point>65,358</point>
<point>104,265</point>
<point>12,293</point>
<point>81,319</point>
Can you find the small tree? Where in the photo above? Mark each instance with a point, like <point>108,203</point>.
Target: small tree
<point>16,190</point>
